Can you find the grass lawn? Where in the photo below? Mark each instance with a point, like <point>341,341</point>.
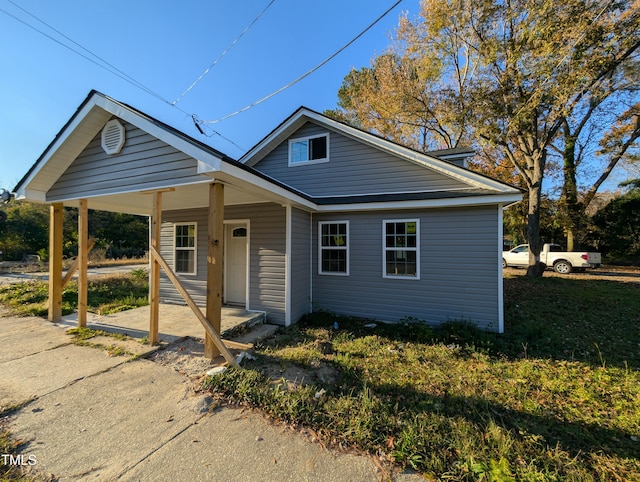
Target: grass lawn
<point>106,294</point>
<point>555,398</point>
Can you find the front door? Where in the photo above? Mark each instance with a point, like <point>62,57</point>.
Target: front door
<point>235,289</point>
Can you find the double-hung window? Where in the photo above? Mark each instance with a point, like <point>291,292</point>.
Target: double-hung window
<point>401,251</point>
<point>334,247</point>
<point>306,150</point>
<point>185,239</point>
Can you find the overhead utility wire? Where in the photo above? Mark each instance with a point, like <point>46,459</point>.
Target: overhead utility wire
<point>109,68</point>
<point>306,74</point>
<point>223,54</point>
<point>112,68</point>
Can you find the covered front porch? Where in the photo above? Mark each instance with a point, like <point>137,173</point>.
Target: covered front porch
<point>112,157</point>
<point>178,322</point>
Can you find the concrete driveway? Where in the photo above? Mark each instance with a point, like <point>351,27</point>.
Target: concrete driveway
<point>88,416</point>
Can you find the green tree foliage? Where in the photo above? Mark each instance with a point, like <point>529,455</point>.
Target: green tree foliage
<point>617,226</point>
<point>600,133</point>
<point>26,231</point>
<point>507,73</point>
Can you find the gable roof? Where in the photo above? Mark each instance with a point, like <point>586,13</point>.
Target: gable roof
<point>433,161</point>
<point>90,118</point>
<point>96,110</point>
<point>82,127</point>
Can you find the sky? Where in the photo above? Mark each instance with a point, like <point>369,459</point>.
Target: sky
<point>165,46</point>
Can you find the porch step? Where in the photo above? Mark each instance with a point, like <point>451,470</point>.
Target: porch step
<point>256,333</point>
<point>239,320</point>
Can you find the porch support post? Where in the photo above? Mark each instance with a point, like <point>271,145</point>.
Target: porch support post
<point>214,264</point>
<point>154,276</point>
<point>56,212</point>
<point>83,256</point>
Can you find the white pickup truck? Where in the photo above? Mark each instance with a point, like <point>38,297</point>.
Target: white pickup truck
<point>552,255</point>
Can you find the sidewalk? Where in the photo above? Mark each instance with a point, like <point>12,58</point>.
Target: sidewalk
<point>92,416</point>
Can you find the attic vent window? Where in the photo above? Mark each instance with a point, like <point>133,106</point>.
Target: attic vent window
<point>112,137</point>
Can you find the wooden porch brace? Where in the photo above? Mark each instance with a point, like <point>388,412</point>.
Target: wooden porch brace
<point>83,257</point>
<point>214,265</point>
<point>212,334</point>
<point>74,266</point>
<point>56,213</point>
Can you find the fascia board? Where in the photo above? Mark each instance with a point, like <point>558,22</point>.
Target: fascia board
<point>280,134</point>
<point>50,155</point>
<point>31,195</point>
<point>426,203</point>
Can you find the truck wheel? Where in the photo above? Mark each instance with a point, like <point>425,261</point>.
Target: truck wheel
<point>562,267</point>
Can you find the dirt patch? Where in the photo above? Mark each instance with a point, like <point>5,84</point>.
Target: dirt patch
<point>186,357</point>
<point>318,373</point>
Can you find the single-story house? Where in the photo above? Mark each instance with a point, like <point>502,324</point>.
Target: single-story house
<point>318,215</point>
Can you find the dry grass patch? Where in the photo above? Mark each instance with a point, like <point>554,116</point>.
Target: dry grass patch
<point>556,398</point>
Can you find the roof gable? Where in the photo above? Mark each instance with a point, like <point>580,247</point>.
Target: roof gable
<point>59,164</point>
<point>298,119</point>
<point>83,127</point>
<point>352,168</point>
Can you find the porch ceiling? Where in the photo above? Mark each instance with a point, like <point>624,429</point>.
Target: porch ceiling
<point>183,197</point>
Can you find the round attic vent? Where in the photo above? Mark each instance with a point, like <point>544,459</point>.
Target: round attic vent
<point>112,137</point>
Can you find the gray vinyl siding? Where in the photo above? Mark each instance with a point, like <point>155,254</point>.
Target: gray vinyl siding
<point>267,255</point>
<point>300,264</point>
<point>144,162</point>
<point>458,269</point>
<point>353,168</point>
<point>267,246</point>
<point>196,284</point>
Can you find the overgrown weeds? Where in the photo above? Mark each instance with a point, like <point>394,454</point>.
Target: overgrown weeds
<point>82,336</point>
<point>555,398</point>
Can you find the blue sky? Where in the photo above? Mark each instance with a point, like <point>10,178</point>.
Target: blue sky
<point>166,46</point>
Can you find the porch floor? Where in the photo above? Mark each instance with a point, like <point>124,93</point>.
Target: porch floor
<point>176,322</point>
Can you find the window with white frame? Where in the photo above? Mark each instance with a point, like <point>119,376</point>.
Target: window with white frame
<point>401,250</point>
<point>307,150</point>
<point>185,242</point>
<point>334,247</point>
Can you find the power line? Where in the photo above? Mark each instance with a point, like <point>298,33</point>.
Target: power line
<point>307,73</point>
<point>109,68</point>
<point>223,53</point>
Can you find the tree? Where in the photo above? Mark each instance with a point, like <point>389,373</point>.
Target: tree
<point>600,122</point>
<point>618,225</point>
<point>414,96</point>
<point>26,231</point>
<point>516,70</point>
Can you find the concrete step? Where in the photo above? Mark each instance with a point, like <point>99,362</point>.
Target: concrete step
<point>256,334</point>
